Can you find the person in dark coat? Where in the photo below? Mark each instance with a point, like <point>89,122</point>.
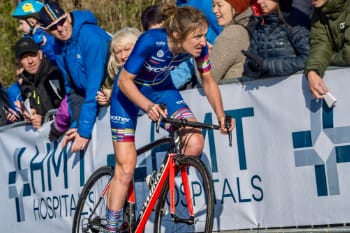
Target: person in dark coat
<point>42,86</point>
<point>276,48</point>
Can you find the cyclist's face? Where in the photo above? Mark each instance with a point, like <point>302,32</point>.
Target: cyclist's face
<point>195,41</point>
<point>62,28</point>
<point>31,61</point>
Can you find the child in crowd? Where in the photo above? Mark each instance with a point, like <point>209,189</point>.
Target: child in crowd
<point>27,13</point>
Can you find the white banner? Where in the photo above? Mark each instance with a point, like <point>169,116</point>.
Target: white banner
<point>288,166</point>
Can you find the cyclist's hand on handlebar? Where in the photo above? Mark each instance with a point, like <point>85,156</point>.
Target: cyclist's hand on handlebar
<point>223,124</point>
<point>155,111</point>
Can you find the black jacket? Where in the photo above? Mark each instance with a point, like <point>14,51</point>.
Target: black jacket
<point>283,48</point>
<point>45,89</point>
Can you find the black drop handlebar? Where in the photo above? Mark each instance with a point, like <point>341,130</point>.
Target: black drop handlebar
<point>181,123</point>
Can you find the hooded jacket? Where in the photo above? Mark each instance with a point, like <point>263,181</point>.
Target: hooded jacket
<point>330,36</point>
<point>83,59</point>
<point>283,48</point>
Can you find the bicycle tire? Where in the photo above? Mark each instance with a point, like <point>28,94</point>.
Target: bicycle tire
<point>202,193</point>
<point>84,220</point>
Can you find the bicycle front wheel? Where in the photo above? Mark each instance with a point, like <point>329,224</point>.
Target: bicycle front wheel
<point>202,198</point>
<point>90,213</point>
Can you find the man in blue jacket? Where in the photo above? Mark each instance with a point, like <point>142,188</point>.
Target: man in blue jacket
<point>82,50</point>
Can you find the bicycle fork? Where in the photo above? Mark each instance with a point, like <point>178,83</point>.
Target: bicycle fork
<point>187,191</point>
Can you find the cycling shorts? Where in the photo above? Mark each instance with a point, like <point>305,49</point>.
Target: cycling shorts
<point>123,113</point>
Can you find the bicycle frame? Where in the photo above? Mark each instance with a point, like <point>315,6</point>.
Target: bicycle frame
<point>167,169</point>
<point>174,165</point>
<point>131,200</point>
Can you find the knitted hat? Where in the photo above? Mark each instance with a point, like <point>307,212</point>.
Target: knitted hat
<point>50,13</point>
<point>239,5</point>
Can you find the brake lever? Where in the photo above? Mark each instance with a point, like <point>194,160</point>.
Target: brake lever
<point>228,120</point>
<point>163,107</point>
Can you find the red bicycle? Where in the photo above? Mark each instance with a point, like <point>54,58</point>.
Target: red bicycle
<point>181,195</point>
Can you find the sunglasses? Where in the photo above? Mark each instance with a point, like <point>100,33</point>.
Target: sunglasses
<point>59,23</point>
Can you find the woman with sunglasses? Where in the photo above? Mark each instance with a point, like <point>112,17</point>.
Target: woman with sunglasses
<point>83,60</point>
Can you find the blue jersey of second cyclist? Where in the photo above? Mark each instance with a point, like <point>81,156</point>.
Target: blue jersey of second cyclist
<point>151,59</point>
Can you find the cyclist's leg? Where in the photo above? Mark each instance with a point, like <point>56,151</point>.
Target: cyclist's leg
<point>123,123</point>
<point>123,173</point>
<point>118,190</point>
<point>192,138</point>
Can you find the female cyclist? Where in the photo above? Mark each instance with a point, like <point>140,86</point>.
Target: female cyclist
<point>145,81</point>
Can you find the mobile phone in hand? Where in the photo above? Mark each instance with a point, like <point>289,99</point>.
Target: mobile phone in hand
<point>7,111</point>
<point>329,99</point>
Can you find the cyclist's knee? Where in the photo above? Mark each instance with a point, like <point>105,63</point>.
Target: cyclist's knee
<point>193,145</point>
<point>125,173</point>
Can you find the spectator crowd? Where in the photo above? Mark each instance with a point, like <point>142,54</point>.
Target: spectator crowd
<point>60,67</point>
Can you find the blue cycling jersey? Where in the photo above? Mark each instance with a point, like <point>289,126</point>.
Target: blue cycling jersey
<point>151,61</point>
